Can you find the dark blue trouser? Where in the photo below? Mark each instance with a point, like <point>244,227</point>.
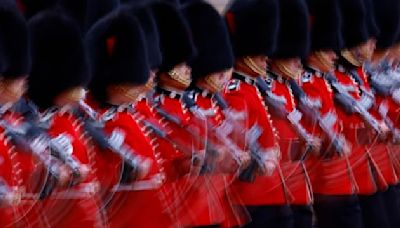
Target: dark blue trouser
<point>270,216</point>
<point>302,216</point>
<point>373,211</point>
<point>391,199</point>
<point>338,211</point>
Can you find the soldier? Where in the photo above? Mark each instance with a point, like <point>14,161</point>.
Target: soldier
<point>191,206</point>
<point>211,70</point>
<point>383,85</point>
<point>25,158</point>
<point>14,68</point>
<point>133,177</point>
<point>295,141</point>
<point>59,64</point>
<point>262,190</point>
<point>334,187</point>
<point>358,125</point>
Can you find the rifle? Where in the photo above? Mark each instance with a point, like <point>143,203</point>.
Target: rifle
<point>94,129</point>
<point>350,104</point>
<point>222,131</point>
<point>294,117</point>
<point>248,174</point>
<point>326,122</point>
<point>38,147</point>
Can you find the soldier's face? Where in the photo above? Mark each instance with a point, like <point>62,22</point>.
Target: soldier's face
<point>325,60</point>
<point>364,51</point>
<point>124,93</point>
<point>261,62</point>
<point>217,81</point>
<point>290,67</point>
<point>11,90</point>
<point>70,97</point>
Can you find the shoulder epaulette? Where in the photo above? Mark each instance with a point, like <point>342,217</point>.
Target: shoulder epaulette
<point>306,77</point>
<point>234,85</point>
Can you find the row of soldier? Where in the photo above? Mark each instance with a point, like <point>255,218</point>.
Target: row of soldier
<point>156,113</point>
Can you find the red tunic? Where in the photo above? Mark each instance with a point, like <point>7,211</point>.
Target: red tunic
<point>78,205</point>
<point>7,171</point>
<point>131,203</point>
<point>380,152</point>
<point>198,206</point>
<point>265,190</point>
<point>26,175</point>
<point>221,175</point>
<point>353,125</point>
<point>330,174</point>
<point>291,146</point>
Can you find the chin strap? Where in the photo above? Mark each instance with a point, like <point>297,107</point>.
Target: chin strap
<point>178,77</point>
<point>254,67</point>
<point>349,56</point>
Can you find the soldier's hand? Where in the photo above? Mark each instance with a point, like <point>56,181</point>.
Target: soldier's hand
<point>143,168</point>
<point>315,144</point>
<point>64,176</point>
<point>221,154</point>
<point>83,172</point>
<point>232,163</point>
<point>347,148</point>
<point>384,130</point>
<point>269,167</point>
<point>11,199</point>
<point>244,159</point>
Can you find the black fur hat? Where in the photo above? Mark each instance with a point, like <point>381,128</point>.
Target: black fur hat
<point>14,42</point>
<point>253,26</point>
<point>373,28</point>
<point>211,39</point>
<point>59,60</point>
<point>150,30</point>
<point>387,15</point>
<point>31,7</point>
<point>117,53</point>
<point>176,43</point>
<point>87,12</point>
<point>294,30</point>
<point>355,27</point>
<point>326,24</point>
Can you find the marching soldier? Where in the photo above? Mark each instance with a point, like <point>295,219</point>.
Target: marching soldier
<point>171,152</point>
<point>191,206</point>
<point>59,64</point>
<point>132,171</point>
<point>359,126</point>
<point>295,141</point>
<point>23,160</point>
<point>14,68</point>
<point>383,86</point>
<point>211,70</point>
<point>260,188</point>
<point>334,187</point>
